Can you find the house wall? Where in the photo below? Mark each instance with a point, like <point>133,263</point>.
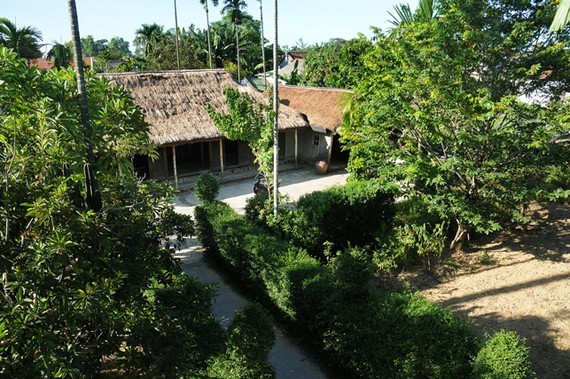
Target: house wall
<point>314,146</point>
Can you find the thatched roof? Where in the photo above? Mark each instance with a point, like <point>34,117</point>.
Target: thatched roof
<point>174,102</point>
<point>324,107</point>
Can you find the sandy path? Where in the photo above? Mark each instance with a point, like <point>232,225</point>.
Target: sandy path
<point>525,286</point>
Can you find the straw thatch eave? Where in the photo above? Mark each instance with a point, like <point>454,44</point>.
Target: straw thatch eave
<point>324,107</point>
<point>174,103</point>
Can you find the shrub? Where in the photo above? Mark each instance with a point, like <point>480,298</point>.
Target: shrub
<point>206,187</point>
<point>504,355</point>
<point>351,214</point>
<point>363,333</point>
<point>418,236</point>
<point>250,338</point>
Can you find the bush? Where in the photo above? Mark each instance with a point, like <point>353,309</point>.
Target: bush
<point>363,333</point>
<point>250,338</point>
<point>353,214</point>
<point>504,355</point>
<point>206,187</point>
<point>418,236</point>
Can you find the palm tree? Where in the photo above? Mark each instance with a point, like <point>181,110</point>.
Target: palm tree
<point>93,198</point>
<point>146,37</point>
<point>233,8</point>
<point>25,41</point>
<point>262,42</point>
<point>205,4</point>
<point>404,15</point>
<point>562,16</point>
<point>62,54</point>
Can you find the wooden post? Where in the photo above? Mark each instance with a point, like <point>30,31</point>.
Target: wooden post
<point>296,148</point>
<point>222,156</point>
<point>174,166</point>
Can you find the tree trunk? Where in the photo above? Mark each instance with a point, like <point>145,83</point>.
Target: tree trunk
<point>93,199</point>
<point>208,33</point>
<point>262,43</point>
<point>276,111</point>
<point>237,50</point>
<point>176,36</point>
<point>460,236</point>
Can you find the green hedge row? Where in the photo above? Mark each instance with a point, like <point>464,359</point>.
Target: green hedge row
<point>360,331</point>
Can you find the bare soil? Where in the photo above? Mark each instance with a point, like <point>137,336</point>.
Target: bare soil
<point>517,280</point>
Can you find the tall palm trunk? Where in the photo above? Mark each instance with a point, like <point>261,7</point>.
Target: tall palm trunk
<point>93,197</point>
<point>208,32</point>
<point>276,121</point>
<point>237,50</point>
<point>262,42</point>
<point>176,36</point>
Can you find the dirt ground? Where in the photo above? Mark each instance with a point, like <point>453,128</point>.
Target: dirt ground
<point>518,280</point>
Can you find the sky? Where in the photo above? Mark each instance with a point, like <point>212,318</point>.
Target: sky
<point>313,21</point>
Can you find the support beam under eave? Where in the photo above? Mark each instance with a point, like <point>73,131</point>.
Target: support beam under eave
<point>222,156</point>
<point>296,148</point>
<point>174,166</point>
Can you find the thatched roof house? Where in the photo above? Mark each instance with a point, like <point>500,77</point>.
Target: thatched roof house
<point>174,103</point>
<point>324,107</point>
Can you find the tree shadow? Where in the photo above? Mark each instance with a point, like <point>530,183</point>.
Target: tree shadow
<point>546,236</point>
<point>548,361</point>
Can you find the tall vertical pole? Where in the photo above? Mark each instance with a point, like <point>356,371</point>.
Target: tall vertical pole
<point>262,43</point>
<point>276,120</point>
<point>176,36</point>
<point>208,32</point>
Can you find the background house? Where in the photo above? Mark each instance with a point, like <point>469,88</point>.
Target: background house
<point>174,104</point>
<point>324,109</point>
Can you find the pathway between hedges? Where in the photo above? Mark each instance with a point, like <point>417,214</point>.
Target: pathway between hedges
<point>287,359</point>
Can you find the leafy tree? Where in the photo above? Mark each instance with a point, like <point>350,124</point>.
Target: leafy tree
<point>437,111</point>
<point>91,47</point>
<point>163,55</point>
<point>24,41</point>
<point>250,122</point>
<point>336,64</point>
<point>85,293</point>
<point>62,54</point>
<point>120,47</point>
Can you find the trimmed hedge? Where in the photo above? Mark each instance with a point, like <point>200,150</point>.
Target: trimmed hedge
<point>342,216</point>
<point>361,332</point>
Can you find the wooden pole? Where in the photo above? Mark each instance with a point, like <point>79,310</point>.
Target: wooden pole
<point>222,156</point>
<point>296,148</point>
<point>174,165</point>
<point>276,120</point>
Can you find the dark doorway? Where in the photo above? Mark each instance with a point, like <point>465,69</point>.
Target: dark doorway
<point>231,153</point>
<point>190,158</point>
<point>339,156</point>
<point>140,165</point>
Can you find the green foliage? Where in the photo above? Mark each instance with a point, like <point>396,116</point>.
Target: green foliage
<point>25,42</point>
<point>503,355</point>
<point>336,64</point>
<point>250,122</point>
<point>84,293</point>
<point>418,236</point>
<point>342,215</point>
<point>436,114</point>
<point>207,187</point>
<point>361,332</point>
